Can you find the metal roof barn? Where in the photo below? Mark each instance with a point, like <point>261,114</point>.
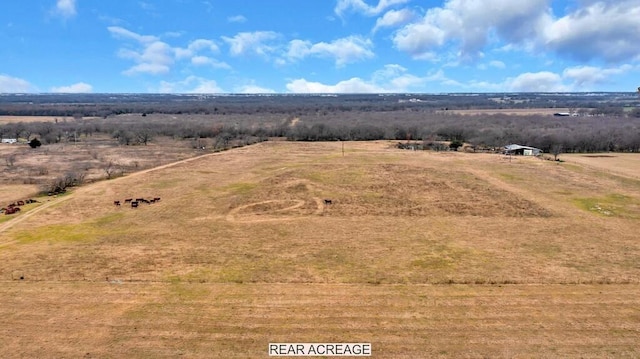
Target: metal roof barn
<point>515,149</point>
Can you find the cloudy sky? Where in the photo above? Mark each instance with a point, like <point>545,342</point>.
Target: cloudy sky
<point>319,46</point>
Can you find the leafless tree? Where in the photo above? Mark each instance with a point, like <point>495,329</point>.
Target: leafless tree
<point>11,160</point>
<point>110,168</point>
<point>556,150</point>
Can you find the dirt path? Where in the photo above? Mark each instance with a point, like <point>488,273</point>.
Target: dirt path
<point>21,217</point>
<point>233,215</point>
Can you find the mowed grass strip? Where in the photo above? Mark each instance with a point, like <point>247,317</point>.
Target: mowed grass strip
<point>200,320</point>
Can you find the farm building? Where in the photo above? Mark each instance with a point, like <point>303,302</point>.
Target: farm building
<point>521,150</point>
<point>9,140</point>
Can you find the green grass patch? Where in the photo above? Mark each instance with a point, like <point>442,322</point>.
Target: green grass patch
<point>181,292</point>
<point>165,184</point>
<point>109,219</point>
<point>509,177</point>
<point>545,249</point>
<point>61,233</point>
<point>441,257</point>
<point>612,205</point>
<point>241,187</point>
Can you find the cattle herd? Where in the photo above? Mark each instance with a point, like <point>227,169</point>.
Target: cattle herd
<point>136,202</point>
<point>15,206</point>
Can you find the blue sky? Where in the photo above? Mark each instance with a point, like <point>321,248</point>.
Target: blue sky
<point>319,46</point>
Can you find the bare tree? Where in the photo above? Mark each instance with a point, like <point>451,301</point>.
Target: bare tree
<point>110,168</point>
<point>144,135</point>
<point>556,150</point>
<point>10,160</point>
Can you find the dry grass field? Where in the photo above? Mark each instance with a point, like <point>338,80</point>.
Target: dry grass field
<point>423,254</point>
<point>624,164</point>
<point>510,111</point>
<point>33,169</point>
<point>14,119</point>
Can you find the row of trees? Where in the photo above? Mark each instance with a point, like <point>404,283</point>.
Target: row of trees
<point>104,105</point>
<point>574,134</point>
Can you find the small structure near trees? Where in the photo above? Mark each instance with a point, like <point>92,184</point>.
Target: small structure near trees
<point>515,149</point>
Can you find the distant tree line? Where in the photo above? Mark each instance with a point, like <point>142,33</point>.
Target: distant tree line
<point>572,134</point>
<point>104,105</point>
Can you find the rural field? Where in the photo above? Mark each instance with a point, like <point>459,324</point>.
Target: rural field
<point>509,111</point>
<point>420,253</point>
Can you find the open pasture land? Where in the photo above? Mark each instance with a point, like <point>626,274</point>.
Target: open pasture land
<point>509,111</point>
<point>625,164</point>
<point>15,119</point>
<point>33,170</point>
<point>423,254</point>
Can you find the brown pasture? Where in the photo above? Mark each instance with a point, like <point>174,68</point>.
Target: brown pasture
<point>14,119</point>
<point>422,254</point>
<point>509,111</point>
<point>34,169</point>
<point>624,164</point>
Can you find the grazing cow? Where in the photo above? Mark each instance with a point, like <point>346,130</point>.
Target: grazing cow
<point>134,204</point>
<point>20,203</point>
<point>139,199</point>
<point>117,203</point>
<point>128,200</point>
<point>156,199</point>
<point>152,201</point>
<point>327,201</point>
<point>12,210</point>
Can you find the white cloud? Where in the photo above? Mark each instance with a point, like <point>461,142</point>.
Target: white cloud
<point>246,43</point>
<point>608,30</point>
<point>359,6</point>
<point>79,87</point>
<point>237,19</point>
<point>65,8</point>
<point>155,57</point>
<point>353,85</point>
<point>392,78</point>
<point>191,84</point>
<point>121,32</point>
<point>207,61</point>
<point>544,81</point>
<point>585,76</point>
<point>394,18</point>
<point>497,64</point>
<point>344,51</point>
<point>196,46</point>
<point>250,89</point>
<point>10,84</point>
<point>595,29</point>
<point>471,24</point>
<point>147,68</point>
